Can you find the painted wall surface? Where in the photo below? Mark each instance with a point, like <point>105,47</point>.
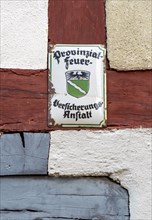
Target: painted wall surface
<point>24,31</point>
<point>123,155</point>
<point>129,34</point>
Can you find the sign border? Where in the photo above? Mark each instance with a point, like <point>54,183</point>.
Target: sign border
<point>103,122</point>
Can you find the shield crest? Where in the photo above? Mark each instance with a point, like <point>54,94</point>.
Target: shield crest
<point>77,82</point>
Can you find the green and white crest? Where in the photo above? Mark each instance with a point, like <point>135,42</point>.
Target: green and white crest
<point>77,82</point>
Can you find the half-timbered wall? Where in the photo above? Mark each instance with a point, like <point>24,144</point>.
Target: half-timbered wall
<point>121,151</point>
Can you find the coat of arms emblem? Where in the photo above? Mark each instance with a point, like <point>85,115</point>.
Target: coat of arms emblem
<point>77,82</point>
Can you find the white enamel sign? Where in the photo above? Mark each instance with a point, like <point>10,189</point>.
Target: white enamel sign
<point>77,77</point>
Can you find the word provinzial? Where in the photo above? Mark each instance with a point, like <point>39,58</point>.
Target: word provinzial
<point>67,56</point>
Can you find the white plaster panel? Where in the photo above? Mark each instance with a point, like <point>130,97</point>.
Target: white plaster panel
<point>129,34</point>
<point>24,33</point>
<point>123,155</point>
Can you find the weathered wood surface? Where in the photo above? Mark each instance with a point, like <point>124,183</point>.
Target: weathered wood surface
<point>129,98</point>
<point>24,102</point>
<point>28,198</point>
<point>26,154</point>
<point>77,22</point>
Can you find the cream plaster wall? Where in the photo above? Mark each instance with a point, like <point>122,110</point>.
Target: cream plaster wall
<point>24,34</point>
<point>129,34</point>
<point>123,155</point>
